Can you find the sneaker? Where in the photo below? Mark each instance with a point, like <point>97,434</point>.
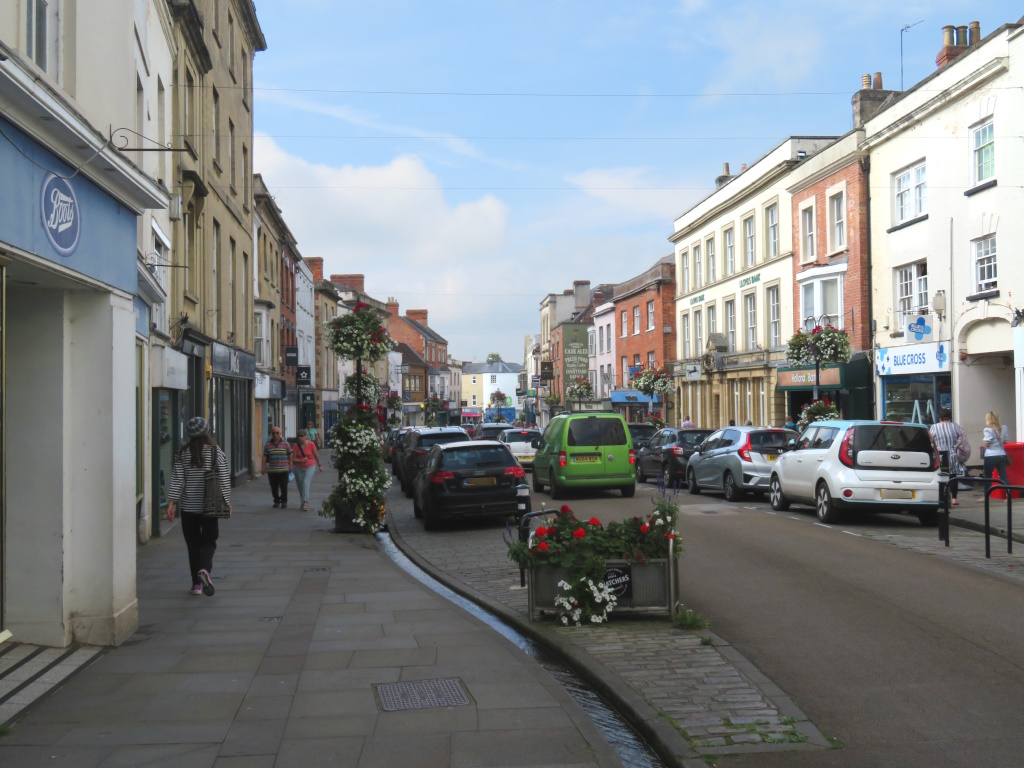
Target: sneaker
<point>197,589</point>
<point>277,504</point>
<point>204,576</point>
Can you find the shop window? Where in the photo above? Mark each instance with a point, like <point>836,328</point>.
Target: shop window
<point>909,398</point>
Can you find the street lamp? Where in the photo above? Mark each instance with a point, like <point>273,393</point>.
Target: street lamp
<point>810,323</point>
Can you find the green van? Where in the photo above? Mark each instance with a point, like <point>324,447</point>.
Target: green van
<point>582,450</point>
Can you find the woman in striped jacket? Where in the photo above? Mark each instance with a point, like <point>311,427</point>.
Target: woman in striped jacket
<point>186,496</point>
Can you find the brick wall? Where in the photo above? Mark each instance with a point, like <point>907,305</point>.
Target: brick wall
<point>648,340</point>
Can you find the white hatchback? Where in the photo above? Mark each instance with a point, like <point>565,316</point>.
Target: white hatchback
<point>869,466</point>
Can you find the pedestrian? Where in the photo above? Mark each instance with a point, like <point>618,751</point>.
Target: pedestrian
<point>950,438</point>
<point>995,458</point>
<point>304,455</point>
<point>277,464</point>
<point>748,423</point>
<point>791,424</point>
<point>313,434</point>
<point>188,484</point>
<point>687,424</point>
<point>732,422</point>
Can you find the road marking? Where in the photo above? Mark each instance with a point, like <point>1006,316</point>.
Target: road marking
<point>858,535</point>
<point>768,511</point>
<point>823,525</point>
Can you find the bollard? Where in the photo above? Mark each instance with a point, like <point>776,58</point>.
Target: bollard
<point>944,480</point>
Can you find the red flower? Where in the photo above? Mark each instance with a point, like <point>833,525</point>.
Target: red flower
<point>541,532</point>
<point>543,546</point>
<point>672,536</point>
<point>636,518</point>
<point>579,533</point>
<point>360,306</point>
<point>645,528</point>
<point>564,509</point>
<point>594,521</point>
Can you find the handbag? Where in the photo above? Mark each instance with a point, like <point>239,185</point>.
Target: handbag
<point>214,503</point>
<point>963,449</point>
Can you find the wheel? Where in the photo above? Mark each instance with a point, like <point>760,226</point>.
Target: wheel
<point>641,477</point>
<point>629,491</point>
<point>691,483</point>
<point>407,490</point>
<point>827,513</point>
<point>537,484</point>
<point>929,518</point>
<point>666,476</point>
<point>556,492</point>
<point>732,491</point>
<point>417,510</point>
<point>430,521</point>
<point>778,501</point>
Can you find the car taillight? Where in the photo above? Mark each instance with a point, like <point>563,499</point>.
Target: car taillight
<point>678,450</point>
<point>846,447</point>
<point>562,459</point>
<point>632,456</point>
<point>440,477</point>
<point>744,452</point>
<point>515,471</point>
<point>419,452</point>
<point>935,453</point>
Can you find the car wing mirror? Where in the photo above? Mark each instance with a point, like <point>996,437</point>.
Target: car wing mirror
<point>535,443</point>
<point>790,445</point>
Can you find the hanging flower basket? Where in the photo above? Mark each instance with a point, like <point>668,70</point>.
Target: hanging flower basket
<point>654,418</point>
<point>824,344</point>
<point>369,389</point>
<point>579,389</point>
<point>359,335</point>
<point>652,381</point>
<point>817,410</point>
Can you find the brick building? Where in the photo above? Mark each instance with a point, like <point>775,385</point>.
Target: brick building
<point>414,384</point>
<point>412,329</point>
<point>327,306</point>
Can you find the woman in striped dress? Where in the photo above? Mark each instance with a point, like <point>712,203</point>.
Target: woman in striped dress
<point>186,496</point>
<point>948,436</point>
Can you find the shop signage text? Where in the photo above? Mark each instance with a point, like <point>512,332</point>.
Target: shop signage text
<point>750,280</point>
<point>912,358</point>
<point>62,221</point>
<point>791,378</point>
<point>696,299</point>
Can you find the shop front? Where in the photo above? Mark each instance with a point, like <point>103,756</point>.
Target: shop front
<point>632,405</point>
<point>168,373</point>
<point>915,381</point>
<point>848,385</point>
<point>234,372</point>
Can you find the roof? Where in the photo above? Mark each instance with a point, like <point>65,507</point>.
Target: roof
<point>426,330</point>
<point>498,367</point>
<point>409,355</point>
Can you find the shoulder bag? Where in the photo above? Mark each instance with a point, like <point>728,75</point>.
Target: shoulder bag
<point>214,504</point>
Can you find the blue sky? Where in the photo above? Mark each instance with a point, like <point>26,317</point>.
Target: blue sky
<point>470,157</point>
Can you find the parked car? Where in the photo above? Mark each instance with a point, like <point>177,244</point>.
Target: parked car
<point>736,460</point>
<point>413,451</point>
<point>392,444</point>
<point>490,430</point>
<point>641,432</point>
<point>469,479</point>
<point>520,443</point>
<point>864,466</point>
<point>580,450</point>
<point>668,454</point>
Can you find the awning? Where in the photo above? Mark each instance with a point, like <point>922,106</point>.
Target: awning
<point>631,398</point>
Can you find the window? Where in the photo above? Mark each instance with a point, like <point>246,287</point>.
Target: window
<point>748,240</point>
<point>230,325</point>
<point>712,320</point>
<point>625,327</point>
<point>42,34</point>
<point>215,138</point>
<point>257,337</point>
<point>773,231</point>
<point>684,320</point>
<point>911,193</point>
<point>474,379</point>
<point>608,335</point>
<point>984,152</point>
<point>231,153</point>
<point>751,303</point>
<point>685,258</point>
<point>710,249</point>
<point>474,399</point>
<point>696,267</point>
<point>190,107</point>
<point>730,251</point>
<point>807,230</point>
<point>730,324</point>
<point>231,46</point>
<point>494,379</point>
<point>650,315</point>
<point>698,334</point>
<point>651,361</point>
<point>591,342</point>
<point>911,292</point>
<point>215,283</point>
<point>245,78</point>
<point>600,339</point>
<point>837,221</point>
<point>636,319</point>
<point>985,264</point>
<point>822,297</point>
<point>245,176</point>
<point>774,318</point>
<point>625,371</point>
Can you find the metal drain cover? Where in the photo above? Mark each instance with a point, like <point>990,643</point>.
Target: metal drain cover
<point>421,694</point>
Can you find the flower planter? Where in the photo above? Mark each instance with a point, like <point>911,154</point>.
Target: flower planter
<point>649,587</point>
<point>344,520</point>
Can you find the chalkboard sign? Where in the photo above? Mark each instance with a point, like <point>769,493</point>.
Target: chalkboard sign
<point>619,578</point>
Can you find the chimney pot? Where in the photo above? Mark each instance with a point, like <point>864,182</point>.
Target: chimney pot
<point>725,169</point>
<point>865,82</point>
<point>974,35</point>
<point>743,168</point>
<point>961,36</point>
<point>947,34</point>
<point>878,81</point>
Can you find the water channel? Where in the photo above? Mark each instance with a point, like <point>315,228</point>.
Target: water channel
<point>631,749</point>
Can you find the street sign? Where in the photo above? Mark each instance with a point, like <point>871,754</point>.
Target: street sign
<point>535,381</point>
<point>692,372</point>
<point>304,375</point>
<point>291,356</point>
<point>547,370</point>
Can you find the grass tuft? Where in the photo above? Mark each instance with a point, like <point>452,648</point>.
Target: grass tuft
<point>687,618</point>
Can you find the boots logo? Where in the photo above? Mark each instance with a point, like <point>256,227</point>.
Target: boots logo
<point>60,213</point>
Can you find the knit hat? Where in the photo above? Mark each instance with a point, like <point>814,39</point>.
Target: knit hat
<point>197,426</point>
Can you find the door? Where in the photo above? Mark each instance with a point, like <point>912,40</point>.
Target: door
<point>542,459</point>
<point>165,443</point>
<point>647,456</point>
<point>802,464</point>
<point>703,461</point>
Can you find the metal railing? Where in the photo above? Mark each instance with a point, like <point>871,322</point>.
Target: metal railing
<point>991,484</point>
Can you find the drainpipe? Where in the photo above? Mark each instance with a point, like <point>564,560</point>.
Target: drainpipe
<point>865,165</point>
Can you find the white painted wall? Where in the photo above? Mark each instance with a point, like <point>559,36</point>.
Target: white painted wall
<point>604,317</point>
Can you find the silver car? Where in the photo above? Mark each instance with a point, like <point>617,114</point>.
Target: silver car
<point>520,444</point>
<point>736,460</point>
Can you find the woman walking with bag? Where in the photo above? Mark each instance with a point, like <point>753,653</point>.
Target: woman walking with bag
<point>950,438</point>
<point>187,495</point>
<point>995,458</point>
<point>304,455</point>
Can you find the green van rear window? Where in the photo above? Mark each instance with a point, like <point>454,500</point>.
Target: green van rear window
<point>596,431</point>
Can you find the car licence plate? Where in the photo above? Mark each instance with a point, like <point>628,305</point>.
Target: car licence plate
<point>479,481</point>
<point>585,459</point>
<point>890,494</point>
<point>770,457</point>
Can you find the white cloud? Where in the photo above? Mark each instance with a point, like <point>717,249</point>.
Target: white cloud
<point>638,194</point>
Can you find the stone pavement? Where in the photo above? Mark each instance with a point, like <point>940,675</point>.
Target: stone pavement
<point>281,667</point>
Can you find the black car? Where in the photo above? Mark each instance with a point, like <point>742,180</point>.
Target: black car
<point>640,433</point>
<point>475,478</point>
<point>668,454</point>
<point>490,430</point>
<point>413,451</point>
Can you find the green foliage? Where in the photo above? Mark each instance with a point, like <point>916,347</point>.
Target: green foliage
<point>579,389</point>
<point>686,618</point>
<point>653,380</point>
<point>359,335</point>
<point>494,357</point>
<point>824,344</point>
<point>817,410</point>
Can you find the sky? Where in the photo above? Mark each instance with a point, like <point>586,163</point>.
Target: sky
<point>471,156</point>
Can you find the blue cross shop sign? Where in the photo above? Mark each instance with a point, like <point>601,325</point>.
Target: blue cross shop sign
<point>921,328</point>
<point>62,220</point>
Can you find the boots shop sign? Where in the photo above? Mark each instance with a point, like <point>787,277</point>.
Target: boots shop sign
<point>62,220</point>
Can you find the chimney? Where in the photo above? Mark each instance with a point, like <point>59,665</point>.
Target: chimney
<point>975,34</point>
<point>581,290</point>
<point>954,42</point>
<point>316,264</point>
<point>355,282</point>
<point>392,306</point>
<point>743,168</point>
<point>598,296</point>
<point>869,99</point>
<point>419,315</point>
<point>720,180</point>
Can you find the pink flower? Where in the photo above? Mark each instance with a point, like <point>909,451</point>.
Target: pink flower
<point>579,533</point>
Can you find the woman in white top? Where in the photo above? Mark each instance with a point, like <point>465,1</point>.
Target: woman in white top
<point>992,442</point>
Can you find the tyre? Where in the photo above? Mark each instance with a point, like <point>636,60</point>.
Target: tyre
<point>666,476</point>
<point>556,492</point>
<point>537,484</point>
<point>732,491</point>
<point>929,518</point>
<point>430,520</point>
<point>827,513</point>
<point>407,490</point>
<point>417,510</point>
<point>629,490</point>
<point>691,483</point>
<point>641,476</point>
<point>775,497</point>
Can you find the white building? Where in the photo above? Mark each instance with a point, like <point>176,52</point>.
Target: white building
<point>493,377</point>
<point>75,295</point>
<point>944,227</point>
<point>604,360</point>
<point>305,337</point>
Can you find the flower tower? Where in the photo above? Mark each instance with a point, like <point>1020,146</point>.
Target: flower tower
<point>825,344</point>
<point>579,390</point>
<point>357,501</point>
<point>653,381</point>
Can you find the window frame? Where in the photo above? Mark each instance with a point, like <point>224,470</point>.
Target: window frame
<point>910,192</point>
<point>636,320</point>
<point>816,285</point>
<point>750,313</point>
<point>729,245</point>
<point>771,231</point>
<point>625,325</point>
<point>978,153</point>
<point>977,247</point>
<point>684,257</point>
<point>808,215</point>
<point>730,323</point>
<point>749,242</point>
<point>837,234</point>
<point>650,315</point>
<point>698,332</point>
<point>773,311</point>
<point>684,322</point>
<point>697,265</point>
<point>709,254</point>
<point>908,303</point>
